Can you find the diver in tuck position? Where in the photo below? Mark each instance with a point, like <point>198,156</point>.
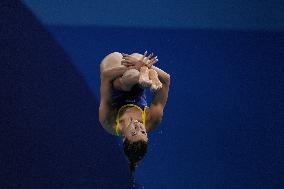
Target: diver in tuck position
<point>123,108</point>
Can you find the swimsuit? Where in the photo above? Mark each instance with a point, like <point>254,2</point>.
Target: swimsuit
<point>134,98</point>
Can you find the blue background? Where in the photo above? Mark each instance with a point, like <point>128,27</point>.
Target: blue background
<point>222,126</point>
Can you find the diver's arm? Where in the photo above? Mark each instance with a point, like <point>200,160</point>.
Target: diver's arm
<point>159,101</point>
<point>106,112</point>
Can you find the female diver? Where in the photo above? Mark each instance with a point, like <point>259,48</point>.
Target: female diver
<point>123,108</point>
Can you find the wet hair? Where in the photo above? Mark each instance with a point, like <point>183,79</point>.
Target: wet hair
<point>135,151</point>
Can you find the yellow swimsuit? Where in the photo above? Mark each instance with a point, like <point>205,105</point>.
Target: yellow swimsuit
<point>130,105</point>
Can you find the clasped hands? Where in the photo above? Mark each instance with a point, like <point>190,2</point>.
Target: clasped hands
<point>134,63</point>
<point>147,77</point>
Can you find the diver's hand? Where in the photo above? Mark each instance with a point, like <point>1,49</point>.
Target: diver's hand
<point>133,62</point>
<point>148,60</point>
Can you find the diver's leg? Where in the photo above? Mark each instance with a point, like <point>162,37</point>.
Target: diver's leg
<point>110,61</point>
<point>156,83</point>
<point>129,78</point>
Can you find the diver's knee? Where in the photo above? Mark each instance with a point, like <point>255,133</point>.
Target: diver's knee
<point>137,55</point>
<point>114,55</point>
<point>111,60</point>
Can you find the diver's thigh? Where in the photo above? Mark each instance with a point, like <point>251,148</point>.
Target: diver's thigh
<point>111,60</point>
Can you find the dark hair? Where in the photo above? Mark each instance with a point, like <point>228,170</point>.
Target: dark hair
<point>135,151</point>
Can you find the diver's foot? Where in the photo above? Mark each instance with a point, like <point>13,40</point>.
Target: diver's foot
<point>144,80</point>
<point>156,84</point>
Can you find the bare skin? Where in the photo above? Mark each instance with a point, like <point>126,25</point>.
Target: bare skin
<point>131,125</point>
<point>149,78</point>
<point>146,77</point>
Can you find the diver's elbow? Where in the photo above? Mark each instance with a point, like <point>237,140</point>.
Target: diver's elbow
<point>168,79</point>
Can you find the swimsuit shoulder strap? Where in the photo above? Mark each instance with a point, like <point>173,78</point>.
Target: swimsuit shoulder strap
<point>129,105</point>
